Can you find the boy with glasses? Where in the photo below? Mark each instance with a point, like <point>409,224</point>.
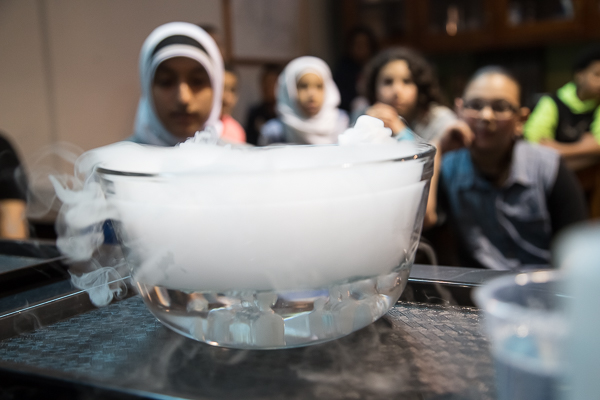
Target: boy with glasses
<point>505,198</point>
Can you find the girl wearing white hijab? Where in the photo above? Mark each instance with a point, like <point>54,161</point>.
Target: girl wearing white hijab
<point>307,104</point>
<point>181,74</point>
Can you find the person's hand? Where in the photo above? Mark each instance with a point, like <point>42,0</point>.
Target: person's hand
<point>388,115</point>
<point>577,155</point>
<point>456,136</point>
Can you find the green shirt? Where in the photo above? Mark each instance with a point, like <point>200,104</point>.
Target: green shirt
<point>543,120</point>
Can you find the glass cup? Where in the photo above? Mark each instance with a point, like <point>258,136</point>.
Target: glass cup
<point>526,325</point>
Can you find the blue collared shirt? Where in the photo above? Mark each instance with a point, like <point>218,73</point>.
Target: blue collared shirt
<point>506,227</point>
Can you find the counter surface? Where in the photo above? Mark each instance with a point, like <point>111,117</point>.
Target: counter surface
<point>416,351</point>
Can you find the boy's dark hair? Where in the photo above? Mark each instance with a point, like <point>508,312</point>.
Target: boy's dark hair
<point>495,70</point>
<point>229,67</point>
<point>270,68</point>
<point>422,74</point>
<point>362,30</point>
<point>585,57</point>
<point>208,28</point>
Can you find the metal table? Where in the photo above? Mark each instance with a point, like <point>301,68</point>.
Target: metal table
<point>417,351</point>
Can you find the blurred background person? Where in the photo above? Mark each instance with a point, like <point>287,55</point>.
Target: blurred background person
<point>262,112</point>
<point>232,130</point>
<point>13,190</point>
<point>400,82</point>
<point>307,106</point>
<point>361,46</point>
<point>505,198</point>
<point>569,119</point>
<point>181,74</point>
<point>569,122</point>
<point>404,92</point>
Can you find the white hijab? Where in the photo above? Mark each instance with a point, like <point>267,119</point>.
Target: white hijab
<point>323,128</point>
<point>148,128</point>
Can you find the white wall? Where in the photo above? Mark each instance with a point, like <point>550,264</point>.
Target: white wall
<point>95,47</point>
<point>320,42</point>
<point>24,106</point>
<point>68,68</point>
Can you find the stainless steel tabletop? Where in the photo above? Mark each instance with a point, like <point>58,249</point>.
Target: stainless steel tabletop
<point>416,351</point>
<point>53,340</point>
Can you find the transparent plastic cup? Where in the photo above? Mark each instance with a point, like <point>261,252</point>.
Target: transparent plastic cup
<point>525,322</point>
<point>276,255</point>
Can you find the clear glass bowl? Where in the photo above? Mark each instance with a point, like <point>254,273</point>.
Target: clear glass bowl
<point>279,253</point>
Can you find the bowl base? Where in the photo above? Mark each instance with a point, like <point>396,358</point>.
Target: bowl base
<point>249,319</point>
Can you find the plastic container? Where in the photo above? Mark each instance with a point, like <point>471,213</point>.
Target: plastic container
<point>526,324</point>
<point>272,248</point>
<point>578,256</point>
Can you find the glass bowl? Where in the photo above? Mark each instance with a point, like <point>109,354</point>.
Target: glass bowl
<point>274,247</point>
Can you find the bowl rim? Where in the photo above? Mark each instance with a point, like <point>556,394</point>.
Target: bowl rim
<point>427,150</point>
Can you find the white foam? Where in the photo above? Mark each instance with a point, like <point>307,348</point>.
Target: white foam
<point>218,218</point>
<point>367,129</point>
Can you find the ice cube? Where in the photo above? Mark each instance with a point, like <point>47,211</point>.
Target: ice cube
<point>219,321</point>
<point>269,331</point>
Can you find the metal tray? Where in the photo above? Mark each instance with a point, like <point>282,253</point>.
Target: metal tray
<point>121,351</point>
<point>35,287</point>
<point>25,265</point>
<point>429,346</point>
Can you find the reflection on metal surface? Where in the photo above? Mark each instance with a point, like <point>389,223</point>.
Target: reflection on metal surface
<point>27,309</point>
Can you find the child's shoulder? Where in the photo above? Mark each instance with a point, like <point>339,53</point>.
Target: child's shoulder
<point>271,132</point>
<point>535,151</point>
<point>272,127</point>
<point>457,162</point>
<point>455,157</point>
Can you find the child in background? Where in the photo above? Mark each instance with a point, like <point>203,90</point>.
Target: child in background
<point>307,105</point>
<point>361,46</point>
<point>181,74</point>
<point>232,130</point>
<point>400,82</point>
<point>404,93</point>
<point>569,120</point>
<point>505,198</point>
<point>264,111</point>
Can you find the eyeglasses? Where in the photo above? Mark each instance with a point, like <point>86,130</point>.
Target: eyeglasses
<point>502,109</point>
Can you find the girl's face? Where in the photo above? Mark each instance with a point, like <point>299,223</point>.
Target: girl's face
<point>490,106</point>
<point>182,95</point>
<point>395,87</point>
<point>311,94</point>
